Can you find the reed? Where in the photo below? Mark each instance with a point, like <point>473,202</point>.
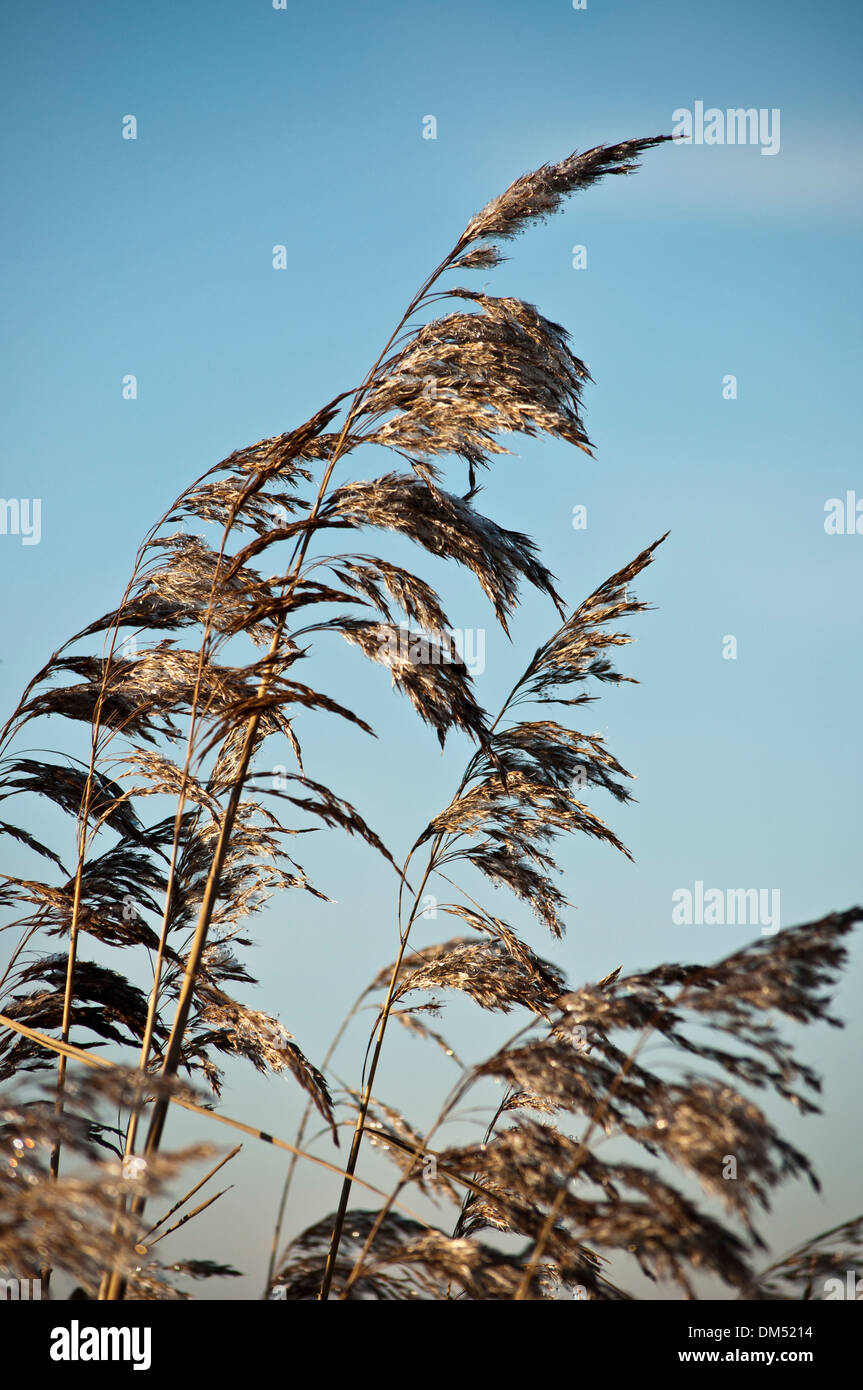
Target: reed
<point>195,675</point>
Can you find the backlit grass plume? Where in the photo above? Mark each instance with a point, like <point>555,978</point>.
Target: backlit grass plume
<point>126,937</point>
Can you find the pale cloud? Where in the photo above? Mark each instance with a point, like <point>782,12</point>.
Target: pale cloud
<point>817,179</point>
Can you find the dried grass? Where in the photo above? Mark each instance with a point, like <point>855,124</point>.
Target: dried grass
<point>180,712</point>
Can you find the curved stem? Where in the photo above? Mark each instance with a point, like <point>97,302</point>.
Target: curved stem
<point>298,1139</point>
<point>173,1050</point>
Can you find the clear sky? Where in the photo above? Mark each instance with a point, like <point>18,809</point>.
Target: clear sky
<point>303,127</point>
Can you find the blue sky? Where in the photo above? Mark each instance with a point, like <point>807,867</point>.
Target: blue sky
<point>303,128</point>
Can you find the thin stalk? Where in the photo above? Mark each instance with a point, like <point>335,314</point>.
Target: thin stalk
<point>298,1139</point>
<point>581,1151</point>
<point>83,820</point>
<point>196,1211</point>
<point>359,1128</point>
<point>471,1186</point>
<point>92,1059</point>
<point>173,1051</point>
<point>356,1143</point>
<point>191,1193</point>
